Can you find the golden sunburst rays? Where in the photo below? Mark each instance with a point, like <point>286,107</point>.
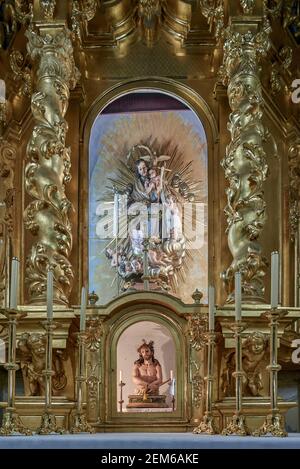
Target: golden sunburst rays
<point>189,221</point>
<point>165,133</point>
<point>149,134</point>
<point>158,130</point>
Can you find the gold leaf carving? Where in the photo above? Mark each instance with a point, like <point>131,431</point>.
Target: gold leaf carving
<point>48,167</point>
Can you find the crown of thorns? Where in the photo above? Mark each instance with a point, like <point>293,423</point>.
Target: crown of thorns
<point>150,345</point>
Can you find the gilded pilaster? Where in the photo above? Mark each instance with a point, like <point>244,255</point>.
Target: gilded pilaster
<point>245,162</point>
<point>7,173</point>
<point>21,73</point>
<point>47,8</point>
<point>48,167</point>
<point>94,367</point>
<point>197,333</point>
<point>247,5</point>
<point>213,10</point>
<point>149,12</point>
<point>294,199</point>
<point>81,14</point>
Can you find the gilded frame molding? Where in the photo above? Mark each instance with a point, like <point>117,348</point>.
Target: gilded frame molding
<point>116,325</point>
<point>192,99</point>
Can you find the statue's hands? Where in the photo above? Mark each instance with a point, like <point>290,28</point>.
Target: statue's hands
<point>151,387</point>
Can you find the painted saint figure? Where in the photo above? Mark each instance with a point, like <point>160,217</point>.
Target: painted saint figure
<point>147,373</point>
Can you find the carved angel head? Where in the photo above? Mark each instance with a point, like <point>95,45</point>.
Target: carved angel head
<point>256,343</point>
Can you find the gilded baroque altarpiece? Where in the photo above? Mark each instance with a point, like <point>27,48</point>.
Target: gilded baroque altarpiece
<point>148,149</point>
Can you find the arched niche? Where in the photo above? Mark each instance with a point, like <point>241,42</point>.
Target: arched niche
<point>168,331</point>
<point>160,123</point>
<point>158,342</point>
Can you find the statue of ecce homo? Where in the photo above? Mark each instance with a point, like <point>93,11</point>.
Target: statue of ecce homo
<point>147,377</point>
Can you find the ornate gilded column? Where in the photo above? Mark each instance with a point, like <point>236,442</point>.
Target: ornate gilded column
<point>245,162</point>
<point>48,167</point>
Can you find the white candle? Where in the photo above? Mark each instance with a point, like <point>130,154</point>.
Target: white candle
<point>82,309</point>
<point>2,91</point>
<point>274,278</point>
<point>120,376</point>
<point>116,216</point>
<point>14,283</point>
<point>49,295</point>
<point>171,375</point>
<point>211,308</point>
<point>238,295</point>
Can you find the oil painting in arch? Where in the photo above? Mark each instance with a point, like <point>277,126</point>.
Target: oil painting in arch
<point>147,197</point>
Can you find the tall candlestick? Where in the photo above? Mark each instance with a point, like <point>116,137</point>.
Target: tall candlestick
<point>49,295</point>
<point>14,283</point>
<point>83,309</point>
<point>146,264</point>
<point>238,295</point>
<point>11,423</point>
<point>80,424</point>
<point>274,279</point>
<point>237,424</point>
<point>148,228</point>
<point>116,216</point>
<point>211,308</point>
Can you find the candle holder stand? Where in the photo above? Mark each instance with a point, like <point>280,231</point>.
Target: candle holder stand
<point>146,277</point>
<point>48,420</point>
<point>173,403</point>
<point>11,423</point>
<point>121,401</point>
<point>237,425</point>
<point>80,424</point>
<point>273,424</point>
<point>207,425</point>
